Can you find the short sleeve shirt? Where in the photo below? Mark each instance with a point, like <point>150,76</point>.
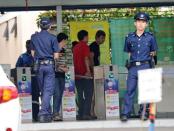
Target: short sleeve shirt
<point>140,47</point>
<point>94,47</point>
<point>44,44</point>
<point>80,52</point>
<point>25,60</point>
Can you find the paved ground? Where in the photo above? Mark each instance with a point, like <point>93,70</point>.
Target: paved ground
<point>120,129</point>
<point>114,125</point>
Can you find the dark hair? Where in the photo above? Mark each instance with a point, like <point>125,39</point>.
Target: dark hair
<point>100,33</point>
<point>27,43</point>
<point>74,43</point>
<point>61,36</point>
<point>81,34</point>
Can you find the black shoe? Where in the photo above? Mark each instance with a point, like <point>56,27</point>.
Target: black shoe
<point>124,118</point>
<point>79,117</point>
<point>45,119</point>
<point>35,120</point>
<point>57,117</point>
<point>86,117</point>
<point>94,117</point>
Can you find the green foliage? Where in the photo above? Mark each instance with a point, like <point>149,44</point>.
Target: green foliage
<point>51,14</point>
<point>103,14</point>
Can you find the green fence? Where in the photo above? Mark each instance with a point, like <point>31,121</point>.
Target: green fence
<point>163,29</point>
<point>164,32</point>
<point>119,28</point>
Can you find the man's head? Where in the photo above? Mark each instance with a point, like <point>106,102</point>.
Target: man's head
<point>100,36</point>
<point>141,21</point>
<point>45,23</point>
<point>62,39</point>
<point>83,36</point>
<point>28,48</point>
<point>74,43</point>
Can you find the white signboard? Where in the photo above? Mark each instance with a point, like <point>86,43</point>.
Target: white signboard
<point>150,86</point>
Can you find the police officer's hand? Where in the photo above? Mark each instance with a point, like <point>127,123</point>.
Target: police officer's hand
<point>127,64</point>
<point>61,54</point>
<point>152,53</point>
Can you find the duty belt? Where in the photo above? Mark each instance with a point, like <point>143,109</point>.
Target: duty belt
<point>46,62</point>
<point>138,63</point>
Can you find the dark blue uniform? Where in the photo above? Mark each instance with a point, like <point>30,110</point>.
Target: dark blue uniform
<point>45,45</point>
<point>25,60</point>
<point>139,48</point>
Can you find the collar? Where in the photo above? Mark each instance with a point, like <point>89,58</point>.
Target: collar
<point>26,53</point>
<point>82,42</point>
<point>144,34</point>
<point>44,31</point>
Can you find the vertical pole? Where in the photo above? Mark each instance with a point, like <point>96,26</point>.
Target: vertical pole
<point>152,115</point>
<point>59,18</point>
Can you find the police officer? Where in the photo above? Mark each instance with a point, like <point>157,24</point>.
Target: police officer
<point>140,46</point>
<point>44,48</point>
<point>26,60</point>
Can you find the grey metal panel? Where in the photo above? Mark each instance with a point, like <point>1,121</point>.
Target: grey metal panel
<point>25,98</point>
<point>167,104</point>
<point>23,70</point>
<point>21,3</point>
<point>99,92</point>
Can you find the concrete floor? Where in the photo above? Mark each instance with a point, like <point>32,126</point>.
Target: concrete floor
<point>112,125</point>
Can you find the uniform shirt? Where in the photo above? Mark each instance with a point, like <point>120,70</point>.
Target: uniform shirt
<point>140,47</point>
<point>44,44</point>
<point>80,51</point>
<point>25,60</point>
<point>94,47</point>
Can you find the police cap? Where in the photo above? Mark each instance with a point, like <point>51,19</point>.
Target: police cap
<point>45,21</point>
<point>142,16</point>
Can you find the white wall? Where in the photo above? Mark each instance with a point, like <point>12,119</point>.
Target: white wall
<point>26,25</point>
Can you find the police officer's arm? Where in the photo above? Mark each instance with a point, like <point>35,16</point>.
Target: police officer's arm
<point>56,48</point>
<point>56,56</point>
<point>153,47</point>
<point>128,50</point>
<point>127,47</point>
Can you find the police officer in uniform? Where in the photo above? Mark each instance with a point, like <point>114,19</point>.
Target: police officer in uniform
<point>26,60</point>
<point>141,47</point>
<point>44,48</point>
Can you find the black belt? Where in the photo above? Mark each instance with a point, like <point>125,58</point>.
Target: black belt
<point>138,63</point>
